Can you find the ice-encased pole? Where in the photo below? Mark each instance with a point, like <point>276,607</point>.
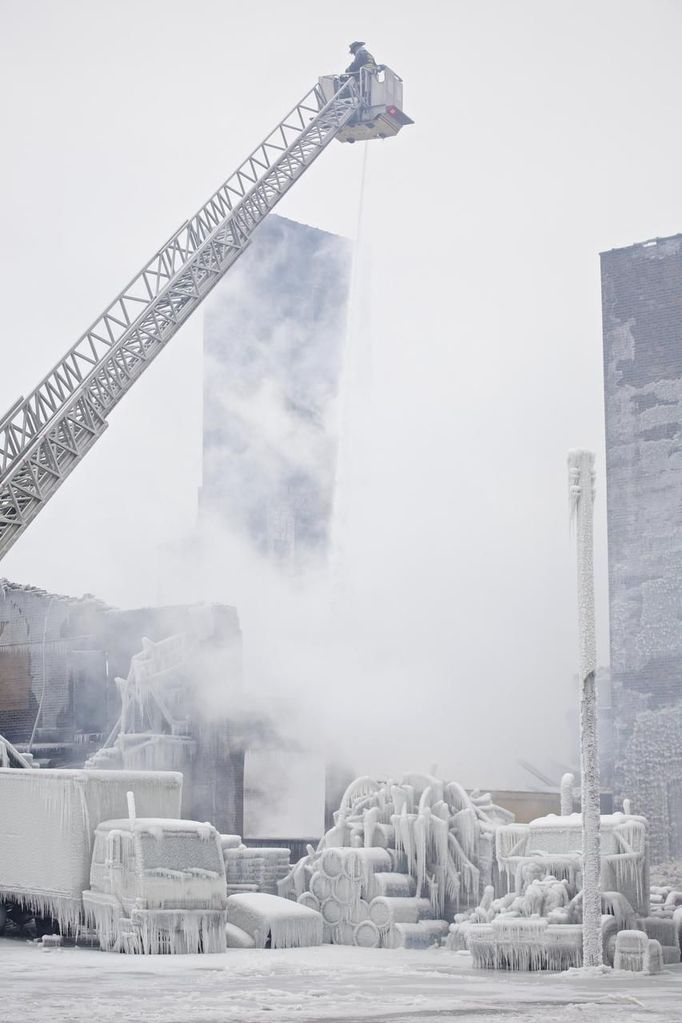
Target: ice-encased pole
<point>581,490</point>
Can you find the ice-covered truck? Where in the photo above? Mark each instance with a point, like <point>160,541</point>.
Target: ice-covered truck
<point>75,849</point>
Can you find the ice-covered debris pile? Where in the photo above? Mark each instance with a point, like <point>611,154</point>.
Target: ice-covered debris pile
<point>541,929</point>
<point>538,925</point>
<point>525,943</point>
<point>271,921</point>
<point>402,857</point>
<point>553,845</point>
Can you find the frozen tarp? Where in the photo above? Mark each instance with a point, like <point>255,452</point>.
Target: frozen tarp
<point>287,924</point>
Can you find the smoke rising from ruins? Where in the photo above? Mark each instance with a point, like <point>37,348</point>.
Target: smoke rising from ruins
<point>484,337</point>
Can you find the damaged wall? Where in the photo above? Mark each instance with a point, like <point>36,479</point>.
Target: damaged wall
<point>75,649</point>
<point>48,638</point>
<point>642,326</point>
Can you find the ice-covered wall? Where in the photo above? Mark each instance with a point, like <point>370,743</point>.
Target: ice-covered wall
<point>46,637</point>
<point>272,346</point>
<point>652,777</point>
<point>642,325</point>
<point>642,319</point>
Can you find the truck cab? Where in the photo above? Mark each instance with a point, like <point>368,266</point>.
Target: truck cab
<point>157,886</point>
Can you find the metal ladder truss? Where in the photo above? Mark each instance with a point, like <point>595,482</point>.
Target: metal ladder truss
<point>44,436</point>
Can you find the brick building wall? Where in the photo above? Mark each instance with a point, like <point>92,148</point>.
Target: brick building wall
<point>42,636</point>
<point>642,330</point>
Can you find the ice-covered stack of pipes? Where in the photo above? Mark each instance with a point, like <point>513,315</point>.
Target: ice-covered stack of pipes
<point>402,857</point>
<point>250,869</point>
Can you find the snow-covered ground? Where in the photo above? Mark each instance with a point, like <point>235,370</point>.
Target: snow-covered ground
<point>338,983</point>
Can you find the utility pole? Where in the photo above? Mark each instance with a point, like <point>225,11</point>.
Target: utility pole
<point>581,493</point>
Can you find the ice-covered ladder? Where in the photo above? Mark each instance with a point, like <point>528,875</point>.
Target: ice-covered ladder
<point>44,436</point>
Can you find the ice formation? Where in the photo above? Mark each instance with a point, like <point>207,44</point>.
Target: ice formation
<point>401,856</point>
<point>538,922</point>
<point>272,920</point>
<point>405,856</point>
<point>150,730</point>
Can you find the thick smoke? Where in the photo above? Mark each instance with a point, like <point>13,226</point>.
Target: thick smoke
<point>364,641</point>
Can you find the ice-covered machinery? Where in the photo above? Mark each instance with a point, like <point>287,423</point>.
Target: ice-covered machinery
<point>553,844</point>
<point>535,919</point>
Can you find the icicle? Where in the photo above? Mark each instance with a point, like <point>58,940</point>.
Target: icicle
<point>358,789</point>
<point>466,829</point>
<point>435,895</point>
<point>420,833</point>
<point>468,872</point>
<point>371,819</point>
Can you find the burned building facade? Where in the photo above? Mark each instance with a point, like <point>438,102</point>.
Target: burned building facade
<point>642,328</point>
<point>64,663</point>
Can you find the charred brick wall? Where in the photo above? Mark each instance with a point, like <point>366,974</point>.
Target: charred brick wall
<point>42,637</point>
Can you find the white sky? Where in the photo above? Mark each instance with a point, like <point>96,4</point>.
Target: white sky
<point>545,132</point>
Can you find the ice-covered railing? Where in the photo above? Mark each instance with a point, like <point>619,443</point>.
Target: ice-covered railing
<point>150,732</point>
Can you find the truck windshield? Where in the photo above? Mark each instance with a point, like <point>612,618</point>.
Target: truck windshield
<point>185,852</point>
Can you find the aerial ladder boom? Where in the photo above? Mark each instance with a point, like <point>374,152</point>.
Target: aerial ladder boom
<point>44,436</point>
